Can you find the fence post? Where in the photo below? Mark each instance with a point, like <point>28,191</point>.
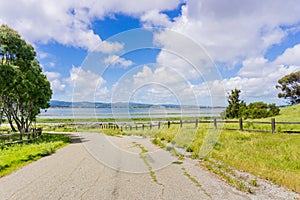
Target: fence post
<point>158,125</point>
<point>130,128</point>
<point>150,126</point>
<point>196,125</point>
<point>143,126</point>
<point>136,127</point>
<point>215,123</point>
<point>9,136</point>
<point>121,128</point>
<point>241,124</point>
<point>169,124</point>
<point>180,123</point>
<point>273,125</point>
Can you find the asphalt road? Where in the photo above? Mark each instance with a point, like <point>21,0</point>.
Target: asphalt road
<point>100,167</point>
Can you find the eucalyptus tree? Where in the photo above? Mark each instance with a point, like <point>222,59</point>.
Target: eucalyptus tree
<point>24,89</point>
<point>290,87</point>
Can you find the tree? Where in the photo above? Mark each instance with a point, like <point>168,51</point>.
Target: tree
<point>290,87</point>
<point>24,89</point>
<point>236,106</point>
<point>260,109</point>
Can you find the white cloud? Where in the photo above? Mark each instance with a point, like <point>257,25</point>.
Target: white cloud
<point>184,55</point>
<point>231,31</point>
<point>69,22</point>
<point>154,18</point>
<point>253,67</point>
<point>109,47</point>
<point>87,86</point>
<point>114,60</point>
<point>154,85</point>
<point>56,85</point>
<point>291,56</point>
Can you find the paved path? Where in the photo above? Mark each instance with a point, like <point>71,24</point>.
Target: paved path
<point>95,169</point>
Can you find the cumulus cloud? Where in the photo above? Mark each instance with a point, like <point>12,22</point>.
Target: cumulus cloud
<point>69,22</point>
<point>155,18</point>
<point>56,85</point>
<point>232,31</point>
<point>290,56</point>
<point>114,60</point>
<point>109,47</point>
<point>87,86</point>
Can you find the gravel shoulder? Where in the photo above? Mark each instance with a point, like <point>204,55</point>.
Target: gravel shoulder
<point>100,167</point>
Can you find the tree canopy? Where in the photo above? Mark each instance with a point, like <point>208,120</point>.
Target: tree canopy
<point>290,87</point>
<point>235,105</point>
<point>239,109</point>
<point>24,90</point>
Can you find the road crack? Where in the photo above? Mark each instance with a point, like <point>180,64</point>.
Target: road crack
<point>152,173</point>
<point>194,180</point>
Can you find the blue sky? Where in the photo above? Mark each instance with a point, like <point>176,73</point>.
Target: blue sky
<point>173,51</point>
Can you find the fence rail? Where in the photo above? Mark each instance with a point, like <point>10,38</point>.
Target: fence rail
<point>10,138</point>
<point>217,124</point>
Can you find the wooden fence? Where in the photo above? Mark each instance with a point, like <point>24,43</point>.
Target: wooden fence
<point>10,138</point>
<point>217,124</point>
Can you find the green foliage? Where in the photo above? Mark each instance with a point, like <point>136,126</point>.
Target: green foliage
<point>260,109</point>
<point>290,87</point>
<point>238,108</point>
<point>24,90</point>
<point>235,107</point>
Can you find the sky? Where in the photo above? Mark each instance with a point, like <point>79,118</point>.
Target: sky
<point>190,52</point>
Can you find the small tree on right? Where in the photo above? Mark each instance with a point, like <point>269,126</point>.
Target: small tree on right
<point>290,87</point>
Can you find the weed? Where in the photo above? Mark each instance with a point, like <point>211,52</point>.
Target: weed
<point>177,162</point>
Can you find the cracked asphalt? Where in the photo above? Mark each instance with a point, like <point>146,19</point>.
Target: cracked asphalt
<point>101,167</point>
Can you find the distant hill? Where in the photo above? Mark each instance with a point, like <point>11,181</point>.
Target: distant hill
<point>84,104</point>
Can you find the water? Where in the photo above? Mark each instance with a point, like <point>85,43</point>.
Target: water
<point>117,113</point>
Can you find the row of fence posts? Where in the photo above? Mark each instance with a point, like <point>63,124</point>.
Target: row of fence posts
<point>215,123</point>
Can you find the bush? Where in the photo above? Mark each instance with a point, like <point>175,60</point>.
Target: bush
<point>258,110</point>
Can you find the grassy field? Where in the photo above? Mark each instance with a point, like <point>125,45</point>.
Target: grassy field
<point>275,157</point>
<point>15,156</point>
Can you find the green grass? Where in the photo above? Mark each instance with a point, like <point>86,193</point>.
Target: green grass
<point>15,156</point>
<point>274,157</point>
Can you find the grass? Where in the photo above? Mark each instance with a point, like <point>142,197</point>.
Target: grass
<point>143,157</point>
<point>274,157</point>
<point>15,156</point>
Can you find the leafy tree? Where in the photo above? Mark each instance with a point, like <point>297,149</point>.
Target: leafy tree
<point>236,106</point>
<point>24,89</point>
<point>260,109</point>
<point>290,87</point>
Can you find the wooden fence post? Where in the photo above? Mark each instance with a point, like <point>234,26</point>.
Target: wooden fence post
<point>158,125</point>
<point>180,123</point>
<point>241,124</point>
<point>273,125</point>
<point>150,126</point>
<point>143,126</point>
<point>196,124</point>
<point>130,128</point>
<point>136,127</point>
<point>121,128</point>
<point>215,123</point>
<point>169,124</point>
